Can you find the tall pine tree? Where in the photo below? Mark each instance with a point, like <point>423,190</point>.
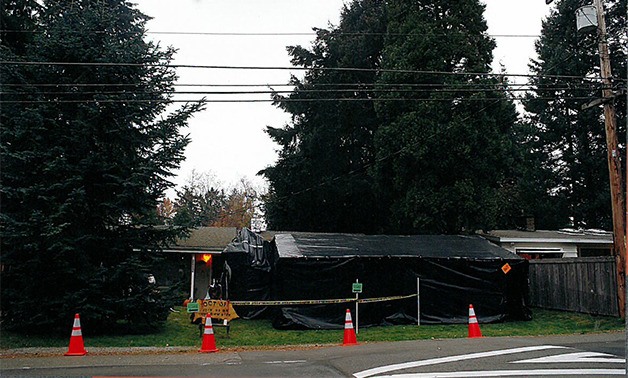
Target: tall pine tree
<point>320,182</point>
<point>412,135</point>
<point>85,158</point>
<point>571,185</point>
<point>445,150</point>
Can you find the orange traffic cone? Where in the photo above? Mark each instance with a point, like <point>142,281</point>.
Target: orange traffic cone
<point>474,327</point>
<point>349,338</point>
<point>209,342</point>
<point>76,339</point>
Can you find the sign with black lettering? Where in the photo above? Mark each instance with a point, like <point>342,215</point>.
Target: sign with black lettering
<point>216,309</point>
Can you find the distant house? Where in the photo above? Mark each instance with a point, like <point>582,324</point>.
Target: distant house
<point>541,244</point>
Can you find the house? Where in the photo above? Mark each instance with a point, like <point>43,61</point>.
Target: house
<point>311,275</point>
<point>541,244</point>
<point>201,253</point>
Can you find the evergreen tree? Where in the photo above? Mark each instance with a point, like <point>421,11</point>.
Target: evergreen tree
<point>568,144</point>
<point>320,182</point>
<point>446,148</point>
<point>85,159</point>
<point>196,208</point>
<point>199,202</point>
<point>420,152</point>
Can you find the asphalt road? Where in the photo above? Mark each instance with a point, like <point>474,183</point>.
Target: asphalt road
<point>601,355</point>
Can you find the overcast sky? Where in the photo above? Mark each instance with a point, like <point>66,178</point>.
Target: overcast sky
<point>228,139</point>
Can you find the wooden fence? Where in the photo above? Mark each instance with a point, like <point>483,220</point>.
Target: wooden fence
<point>583,284</point>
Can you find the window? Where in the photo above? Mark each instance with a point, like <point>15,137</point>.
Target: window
<point>540,253</point>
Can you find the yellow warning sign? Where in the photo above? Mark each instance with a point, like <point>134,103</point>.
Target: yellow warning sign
<point>216,309</point>
<point>506,268</point>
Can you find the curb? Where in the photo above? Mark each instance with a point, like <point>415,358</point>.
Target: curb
<point>112,351</point>
<point>94,351</point>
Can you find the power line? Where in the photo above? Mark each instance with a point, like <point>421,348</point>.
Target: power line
<point>299,91</point>
<point>381,159</point>
<point>275,68</point>
<point>270,34</point>
<point>342,99</point>
<point>399,151</point>
<point>353,85</point>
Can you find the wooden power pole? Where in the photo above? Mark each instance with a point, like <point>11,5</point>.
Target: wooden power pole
<point>614,161</point>
<point>619,209</point>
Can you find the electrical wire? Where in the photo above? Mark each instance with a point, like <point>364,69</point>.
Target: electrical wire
<point>329,181</point>
<point>269,34</point>
<point>62,96</point>
<point>345,99</point>
<point>296,91</point>
<point>244,85</point>
<point>380,159</point>
<point>358,86</point>
<point>275,68</point>
<point>368,165</point>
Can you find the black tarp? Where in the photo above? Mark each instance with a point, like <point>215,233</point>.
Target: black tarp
<point>251,260</point>
<point>454,271</point>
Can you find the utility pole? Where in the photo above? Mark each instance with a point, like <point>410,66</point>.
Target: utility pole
<point>620,210</point>
<point>618,205</point>
<point>614,161</point>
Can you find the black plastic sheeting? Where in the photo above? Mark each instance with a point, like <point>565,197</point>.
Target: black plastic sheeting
<point>252,260</point>
<point>454,271</point>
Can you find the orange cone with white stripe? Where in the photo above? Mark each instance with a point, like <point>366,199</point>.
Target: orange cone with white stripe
<point>77,348</point>
<point>209,341</point>
<point>474,327</point>
<point>349,338</point>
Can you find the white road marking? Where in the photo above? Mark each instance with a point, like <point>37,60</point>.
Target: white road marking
<point>575,358</point>
<point>442,360</point>
<point>510,373</point>
<point>286,362</point>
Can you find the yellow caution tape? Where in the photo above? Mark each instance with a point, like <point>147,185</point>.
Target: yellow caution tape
<point>319,301</point>
<point>384,299</point>
<point>288,303</point>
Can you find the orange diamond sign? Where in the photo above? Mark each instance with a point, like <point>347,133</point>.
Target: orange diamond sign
<point>506,268</point>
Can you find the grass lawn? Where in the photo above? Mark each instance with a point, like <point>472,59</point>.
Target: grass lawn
<point>254,333</point>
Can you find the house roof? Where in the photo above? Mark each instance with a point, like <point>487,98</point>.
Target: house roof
<point>545,236</point>
<point>299,244</point>
<point>204,239</point>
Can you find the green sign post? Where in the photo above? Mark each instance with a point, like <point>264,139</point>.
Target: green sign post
<point>357,287</point>
<point>193,307</point>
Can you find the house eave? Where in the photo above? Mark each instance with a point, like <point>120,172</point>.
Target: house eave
<point>550,241</point>
<point>194,251</point>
